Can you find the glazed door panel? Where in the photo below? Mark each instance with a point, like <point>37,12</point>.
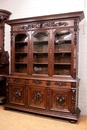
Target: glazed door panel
<point>41,51</point>
<point>17,94</point>
<point>63,43</point>
<point>20,53</point>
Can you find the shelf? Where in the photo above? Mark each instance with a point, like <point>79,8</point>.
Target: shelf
<point>62,63</point>
<point>40,52</point>
<point>20,52</point>
<point>40,63</point>
<point>20,62</point>
<point>62,52</point>
<point>20,42</point>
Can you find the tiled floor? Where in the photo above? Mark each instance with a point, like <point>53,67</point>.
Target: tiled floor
<point>15,120</point>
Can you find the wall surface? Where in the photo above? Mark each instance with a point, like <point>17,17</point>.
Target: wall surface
<point>30,8</point>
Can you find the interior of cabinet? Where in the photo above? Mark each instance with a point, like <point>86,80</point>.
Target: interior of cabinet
<point>40,53</point>
<point>62,52</point>
<point>21,53</point>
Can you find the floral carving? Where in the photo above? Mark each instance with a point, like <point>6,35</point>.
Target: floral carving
<point>17,94</point>
<point>37,81</point>
<point>60,100</point>
<point>42,25</point>
<point>37,97</point>
<point>54,24</point>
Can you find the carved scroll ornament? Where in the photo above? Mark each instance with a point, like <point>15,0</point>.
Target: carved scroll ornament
<point>42,25</point>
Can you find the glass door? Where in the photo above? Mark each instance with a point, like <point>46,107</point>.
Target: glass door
<point>40,53</point>
<point>62,52</point>
<point>21,53</point>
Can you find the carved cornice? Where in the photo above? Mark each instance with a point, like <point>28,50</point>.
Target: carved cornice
<point>4,15</point>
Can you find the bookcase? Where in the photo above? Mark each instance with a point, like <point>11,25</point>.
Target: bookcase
<point>4,56</point>
<point>44,65</point>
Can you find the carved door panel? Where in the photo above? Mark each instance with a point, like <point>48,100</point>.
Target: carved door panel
<point>17,94</point>
<point>37,96</point>
<point>61,99</point>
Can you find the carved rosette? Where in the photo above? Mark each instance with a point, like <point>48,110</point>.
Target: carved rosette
<point>37,97</point>
<point>17,94</point>
<point>60,100</point>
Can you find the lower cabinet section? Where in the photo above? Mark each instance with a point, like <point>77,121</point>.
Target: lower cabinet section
<point>57,101</point>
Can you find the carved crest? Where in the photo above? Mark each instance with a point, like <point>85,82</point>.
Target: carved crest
<point>42,25</point>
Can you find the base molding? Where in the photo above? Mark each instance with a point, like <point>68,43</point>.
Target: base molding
<point>73,118</point>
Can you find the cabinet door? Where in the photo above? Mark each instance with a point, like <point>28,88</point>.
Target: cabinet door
<point>37,96</point>
<point>63,48</point>
<point>20,53</point>
<point>61,99</point>
<point>40,41</point>
<point>17,94</point>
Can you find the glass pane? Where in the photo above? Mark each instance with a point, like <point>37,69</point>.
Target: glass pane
<point>40,53</point>
<point>62,49</point>
<point>21,50</point>
<point>20,68</point>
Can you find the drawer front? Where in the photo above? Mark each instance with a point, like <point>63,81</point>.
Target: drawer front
<point>41,82</point>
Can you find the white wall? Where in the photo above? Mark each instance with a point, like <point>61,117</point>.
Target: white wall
<point>29,8</point>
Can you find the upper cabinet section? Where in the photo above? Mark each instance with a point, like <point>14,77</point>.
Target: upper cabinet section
<point>46,45</point>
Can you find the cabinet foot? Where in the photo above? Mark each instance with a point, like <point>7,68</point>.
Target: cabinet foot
<point>6,108</point>
<point>73,121</point>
